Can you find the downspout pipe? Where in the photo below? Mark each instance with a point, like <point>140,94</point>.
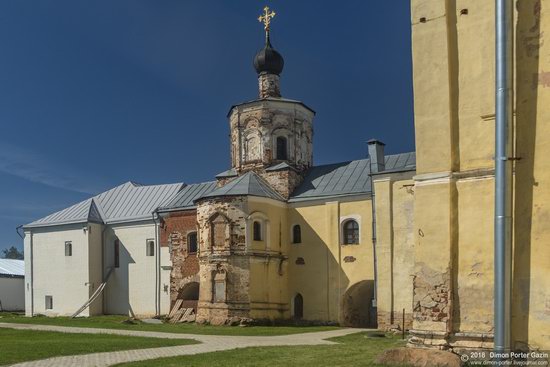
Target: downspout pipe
<point>377,164</point>
<point>157,263</point>
<point>503,176</point>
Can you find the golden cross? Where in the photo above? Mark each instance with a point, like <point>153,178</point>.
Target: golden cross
<point>265,18</point>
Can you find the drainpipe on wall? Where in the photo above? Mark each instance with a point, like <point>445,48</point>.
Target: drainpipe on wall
<point>503,176</point>
<point>157,267</point>
<point>377,164</point>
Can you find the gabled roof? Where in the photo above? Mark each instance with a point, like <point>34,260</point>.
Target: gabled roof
<point>125,203</point>
<point>229,173</point>
<point>12,268</point>
<point>185,198</point>
<point>248,184</point>
<point>279,167</point>
<point>347,178</point>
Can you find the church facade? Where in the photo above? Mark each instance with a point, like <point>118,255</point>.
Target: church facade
<point>272,238</point>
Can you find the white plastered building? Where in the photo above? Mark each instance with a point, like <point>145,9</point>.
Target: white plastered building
<point>113,236</point>
<point>12,285</point>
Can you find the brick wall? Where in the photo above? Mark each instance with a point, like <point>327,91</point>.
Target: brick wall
<point>173,233</point>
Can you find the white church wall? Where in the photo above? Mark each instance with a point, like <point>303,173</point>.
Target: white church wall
<point>64,278</point>
<point>95,267</point>
<point>132,286</point>
<point>12,294</point>
<point>165,265</point>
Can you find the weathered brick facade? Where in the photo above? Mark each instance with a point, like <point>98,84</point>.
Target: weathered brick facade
<point>174,233</point>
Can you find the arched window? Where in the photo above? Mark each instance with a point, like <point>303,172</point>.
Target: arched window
<point>281,148</point>
<point>298,306</point>
<point>257,235</point>
<point>296,234</point>
<point>192,242</point>
<point>351,232</point>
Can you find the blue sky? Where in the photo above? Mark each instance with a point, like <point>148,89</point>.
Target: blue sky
<point>96,93</point>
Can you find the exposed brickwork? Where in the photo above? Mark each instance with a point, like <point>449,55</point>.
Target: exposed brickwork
<point>394,320</point>
<point>224,270</point>
<point>284,181</point>
<point>173,233</point>
<point>269,85</point>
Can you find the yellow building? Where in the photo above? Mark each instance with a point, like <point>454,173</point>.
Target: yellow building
<point>453,62</point>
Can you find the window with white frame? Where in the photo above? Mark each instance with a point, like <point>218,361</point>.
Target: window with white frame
<point>257,230</point>
<point>350,232</point>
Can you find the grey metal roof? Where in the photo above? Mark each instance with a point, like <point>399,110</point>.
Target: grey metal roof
<point>278,167</point>
<point>125,203</point>
<point>12,268</point>
<point>347,178</point>
<point>185,198</point>
<point>248,184</point>
<point>229,173</point>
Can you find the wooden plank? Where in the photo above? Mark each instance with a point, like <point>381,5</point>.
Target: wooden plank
<point>177,315</point>
<point>176,307</point>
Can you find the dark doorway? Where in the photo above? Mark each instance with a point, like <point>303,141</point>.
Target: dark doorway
<point>357,305</point>
<point>298,306</point>
<point>190,295</point>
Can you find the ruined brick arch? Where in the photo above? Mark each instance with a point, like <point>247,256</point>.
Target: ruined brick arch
<point>357,310</point>
<point>189,294</point>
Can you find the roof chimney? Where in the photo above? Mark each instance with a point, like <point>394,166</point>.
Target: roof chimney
<point>376,155</point>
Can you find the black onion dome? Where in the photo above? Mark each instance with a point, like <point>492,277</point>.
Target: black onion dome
<point>268,60</point>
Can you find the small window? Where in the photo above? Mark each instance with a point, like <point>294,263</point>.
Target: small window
<point>351,232</point>
<point>257,231</point>
<point>49,303</point>
<point>296,234</point>
<point>68,248</point>
<point>192,242</point>
<point>150,247</point>
<point>281,148</point>
<point>117,253</point>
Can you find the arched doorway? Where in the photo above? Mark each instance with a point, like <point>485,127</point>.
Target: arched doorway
<point>298,306</point>
<point>357,310</point>
<point>190,295</point>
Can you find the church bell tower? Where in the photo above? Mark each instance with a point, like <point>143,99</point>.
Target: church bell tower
<point>271,135</point>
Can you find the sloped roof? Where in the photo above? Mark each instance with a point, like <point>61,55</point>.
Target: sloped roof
<point>279,167</point>
<point>229,173</point>
<point>127,202</point>
<point>12,268</point>
<point>347,178</point>
<point>185,198</point>
<point>248,184</point>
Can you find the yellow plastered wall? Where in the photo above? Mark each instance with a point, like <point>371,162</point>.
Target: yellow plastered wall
<point>268,274</point>
<point>330,269</point>
<point>453,62</point>
<point>394,247</point>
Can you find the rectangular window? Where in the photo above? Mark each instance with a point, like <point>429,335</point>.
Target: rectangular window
<point>68,248</point>
<point>150,248</point>
<point>49,303</point>
<point>117,253</point>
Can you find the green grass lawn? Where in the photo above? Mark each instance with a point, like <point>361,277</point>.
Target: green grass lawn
<point>27,345</point>
<point>117,322</point>
<point>352,350</point>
